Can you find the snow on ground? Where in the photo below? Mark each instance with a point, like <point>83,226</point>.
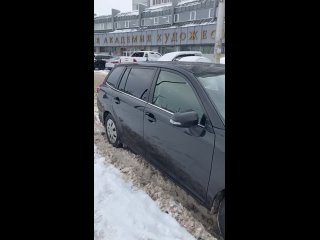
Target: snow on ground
<point>122,212</point>
<point>102,71</point>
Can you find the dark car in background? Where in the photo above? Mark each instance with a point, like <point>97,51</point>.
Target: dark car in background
<point>173,114</point>
<point>100,61</point>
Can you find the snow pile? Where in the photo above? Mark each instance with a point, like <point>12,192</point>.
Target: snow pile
<point>195,59</point>
<point>186,1</point>
<point>133,13</point>
<point>157,7</point>
<point>120,212</point>
<point>105,72</point>
<point>124,30</point>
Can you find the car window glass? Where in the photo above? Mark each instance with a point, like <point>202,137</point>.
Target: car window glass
<point>139,81</point>
<point>124,79</point>
<point>114,76</point>
<point>173,93</point>
<point>138,54</point>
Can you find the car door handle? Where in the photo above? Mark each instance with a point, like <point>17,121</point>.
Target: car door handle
<point>150,117</point>
<point>117,100</point>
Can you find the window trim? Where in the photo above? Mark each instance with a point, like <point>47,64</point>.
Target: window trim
<point>154,21</point>
<point>195,15</point>
<point>152,89</point>
<point>126,24</point>
<point>174,18</point>
<point>210,13</point>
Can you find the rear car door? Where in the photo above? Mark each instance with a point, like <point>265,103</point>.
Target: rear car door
<point>129,102</point>
<point>185,154</point>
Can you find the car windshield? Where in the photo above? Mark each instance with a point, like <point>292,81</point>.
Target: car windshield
<point>215,87</point>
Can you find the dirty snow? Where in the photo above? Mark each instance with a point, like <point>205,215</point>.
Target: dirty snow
<point>122,212</point>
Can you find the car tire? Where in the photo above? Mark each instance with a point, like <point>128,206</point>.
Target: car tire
<point>112,132</point>
<point>221,218</point>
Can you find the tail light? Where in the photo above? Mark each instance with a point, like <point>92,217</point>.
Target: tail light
<point>134,60</point>
<point>115,62</point>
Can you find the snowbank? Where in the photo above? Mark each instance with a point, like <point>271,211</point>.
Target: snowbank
<point>120,212</point>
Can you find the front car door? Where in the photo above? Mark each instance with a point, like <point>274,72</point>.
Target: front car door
<point>185,154</point>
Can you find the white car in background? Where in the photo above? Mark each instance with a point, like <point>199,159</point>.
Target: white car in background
<point>112,62</point>
<point>141,56</point>
<point>176,56</point>
<point>195,59</point>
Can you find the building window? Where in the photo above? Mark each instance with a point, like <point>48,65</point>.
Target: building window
<point>156,20</point>
<point>126,24</point>
<point>210,12</point>
<point>176,18</point>
<point>193,15</point>
<point>115,25</point>
<point>167,19</point>
<point>142,22</point>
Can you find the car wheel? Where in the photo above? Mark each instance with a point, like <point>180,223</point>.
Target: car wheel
<point>112,131</point>
<point>221,218</point>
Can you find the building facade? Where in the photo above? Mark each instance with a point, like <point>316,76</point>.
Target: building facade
<point>135,3</point>
<point>164,27</point>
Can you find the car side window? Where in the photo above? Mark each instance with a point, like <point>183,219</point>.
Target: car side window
<point>124,79</point>
<point>114,76</point>
<point>139,82</point>
<point>173,93</point>
<point>138,54</point>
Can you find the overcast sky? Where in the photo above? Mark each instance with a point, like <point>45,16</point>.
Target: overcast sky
<point>103,7</point>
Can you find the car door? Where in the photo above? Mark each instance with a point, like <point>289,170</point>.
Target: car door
<point>129,103</point>
<point>185,154</point>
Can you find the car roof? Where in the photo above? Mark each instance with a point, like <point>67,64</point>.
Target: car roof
<point>197,68</point>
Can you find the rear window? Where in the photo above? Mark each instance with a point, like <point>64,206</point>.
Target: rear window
<point>139,82</point>
<point>114,76</point>
<point>138,54</point>
<point>100,57</point>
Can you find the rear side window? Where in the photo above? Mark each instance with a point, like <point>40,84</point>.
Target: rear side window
<point>114,76</point>
<point>139,82</point>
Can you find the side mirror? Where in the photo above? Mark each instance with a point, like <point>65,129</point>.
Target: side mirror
<point>185,120</point>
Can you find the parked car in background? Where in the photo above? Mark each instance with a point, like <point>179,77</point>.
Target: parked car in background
<point>195,59</point>
<point>141,56</point>
<point>112,62</point>
<point>101,60</point>
<point>175,56</point>
<point>159,110</point>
